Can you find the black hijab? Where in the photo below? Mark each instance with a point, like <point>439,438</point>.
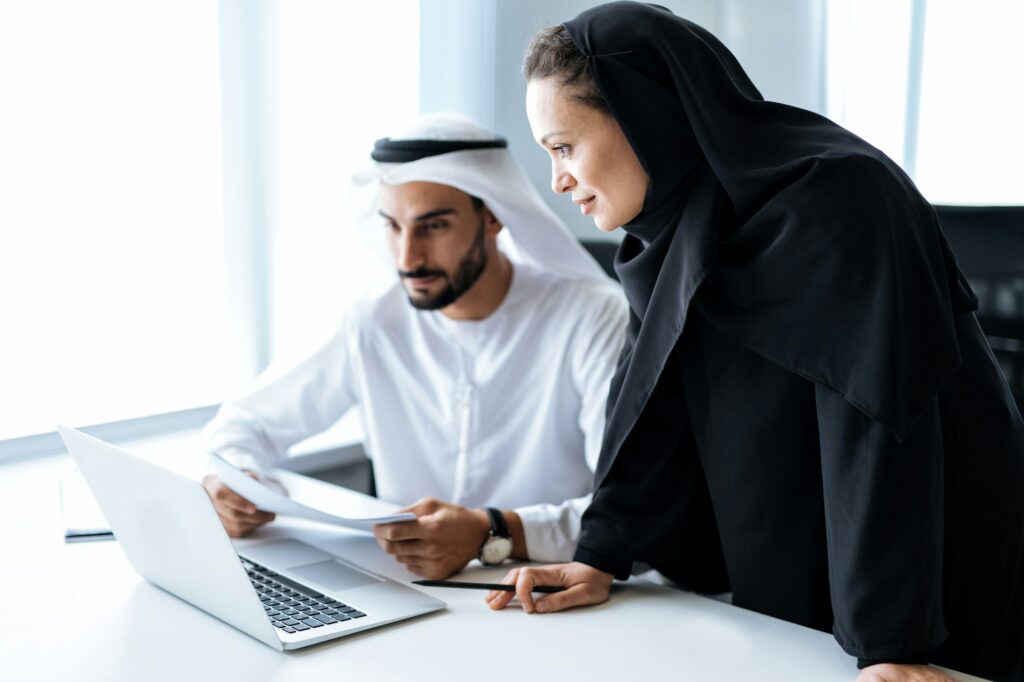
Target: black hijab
<point>809,246</point>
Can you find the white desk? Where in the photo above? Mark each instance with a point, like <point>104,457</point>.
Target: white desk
<point>79,612</point>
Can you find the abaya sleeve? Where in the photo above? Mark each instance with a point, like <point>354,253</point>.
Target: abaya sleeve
<point>884,526</point>
<point>654,506</point>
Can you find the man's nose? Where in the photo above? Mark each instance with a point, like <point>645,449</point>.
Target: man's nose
<point>410,255</point>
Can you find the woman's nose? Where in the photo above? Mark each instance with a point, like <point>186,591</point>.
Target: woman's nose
<point>561,181</point>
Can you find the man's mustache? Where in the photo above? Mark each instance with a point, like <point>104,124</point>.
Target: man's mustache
<point>421,273</point>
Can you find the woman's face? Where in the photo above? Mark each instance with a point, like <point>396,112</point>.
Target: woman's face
<point>590,156</point>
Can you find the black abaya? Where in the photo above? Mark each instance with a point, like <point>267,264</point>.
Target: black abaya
<point>805,394</point>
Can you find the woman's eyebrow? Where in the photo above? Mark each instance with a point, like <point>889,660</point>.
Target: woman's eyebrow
<point>544,140</point>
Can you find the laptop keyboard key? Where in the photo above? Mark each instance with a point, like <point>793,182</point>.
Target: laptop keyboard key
<point>309,592</point>
<point>293,607</point>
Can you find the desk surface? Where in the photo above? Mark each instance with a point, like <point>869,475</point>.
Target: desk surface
<point>78,611</point>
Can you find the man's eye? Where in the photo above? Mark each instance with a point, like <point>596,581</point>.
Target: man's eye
<point>435,225</point>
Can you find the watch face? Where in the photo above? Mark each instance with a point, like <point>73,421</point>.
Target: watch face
<point>495,550</point>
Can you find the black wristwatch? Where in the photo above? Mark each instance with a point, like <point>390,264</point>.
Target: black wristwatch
<point>498,545</point>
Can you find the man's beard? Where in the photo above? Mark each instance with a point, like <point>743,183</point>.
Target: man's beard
<point>467,272</point>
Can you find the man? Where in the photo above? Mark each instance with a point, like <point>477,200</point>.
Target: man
<point>487,391</point>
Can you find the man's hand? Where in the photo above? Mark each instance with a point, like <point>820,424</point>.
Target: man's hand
<point>585,585</point>
<point>440,542</point>
<point>239,516</point>
<point>898,672</point>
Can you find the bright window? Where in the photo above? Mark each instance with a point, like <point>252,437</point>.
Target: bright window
<point>867,59</point>
<point>970,137</point>
<point>111,227</point>
<point>966,137</point>
<point>112,258</point>
<point>347,75</point>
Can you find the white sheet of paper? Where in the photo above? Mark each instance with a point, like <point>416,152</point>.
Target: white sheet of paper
<point>268,500</point>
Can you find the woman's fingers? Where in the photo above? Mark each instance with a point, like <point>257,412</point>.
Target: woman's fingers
<point>524,587</point>
<point>584,585</point>
<point>580,594</point>
<point>499,600</point>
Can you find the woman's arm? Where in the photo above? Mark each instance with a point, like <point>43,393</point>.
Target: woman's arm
<point>884,526</point>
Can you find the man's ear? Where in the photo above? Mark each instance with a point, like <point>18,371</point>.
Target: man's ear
<point>493,225</point>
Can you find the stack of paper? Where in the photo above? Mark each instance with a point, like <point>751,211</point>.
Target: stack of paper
<point>83,520</point>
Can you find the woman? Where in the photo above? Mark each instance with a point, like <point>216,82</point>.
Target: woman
<point>806,413</point>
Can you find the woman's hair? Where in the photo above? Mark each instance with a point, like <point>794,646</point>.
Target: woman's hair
<point>553,54</point>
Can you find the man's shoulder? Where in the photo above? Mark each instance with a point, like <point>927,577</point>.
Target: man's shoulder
<point>572,295</point>
<point>384,309</point>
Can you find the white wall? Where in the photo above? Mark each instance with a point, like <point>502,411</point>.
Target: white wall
<point>472,52</point>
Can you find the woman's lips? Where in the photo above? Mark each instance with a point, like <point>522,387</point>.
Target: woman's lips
<point>587,205</point>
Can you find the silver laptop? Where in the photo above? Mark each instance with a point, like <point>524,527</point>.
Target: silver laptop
<point>285,593</point>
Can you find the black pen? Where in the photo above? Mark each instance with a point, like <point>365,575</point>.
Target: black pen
<point>500,587</point>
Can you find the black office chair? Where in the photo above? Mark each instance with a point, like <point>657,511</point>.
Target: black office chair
<point>988,242</point>
<point>603,252</point>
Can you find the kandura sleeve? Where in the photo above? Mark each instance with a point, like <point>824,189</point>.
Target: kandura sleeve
<point>292,400</point>
<point>551,530</point>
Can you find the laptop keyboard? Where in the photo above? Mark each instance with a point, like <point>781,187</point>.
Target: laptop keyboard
<point>294,607</point>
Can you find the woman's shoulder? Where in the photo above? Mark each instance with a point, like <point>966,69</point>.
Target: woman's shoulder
<point>864,170</point>
<point>861,186</point>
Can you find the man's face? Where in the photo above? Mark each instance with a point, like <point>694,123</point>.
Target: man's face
<point>437,238</point>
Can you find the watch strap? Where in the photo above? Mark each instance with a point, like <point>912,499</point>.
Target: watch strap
<point>498,525</point>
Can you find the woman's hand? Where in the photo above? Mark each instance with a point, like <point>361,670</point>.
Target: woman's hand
<point>584,585</point>
<point>898,672</point>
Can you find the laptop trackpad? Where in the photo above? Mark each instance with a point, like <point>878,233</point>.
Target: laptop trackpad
<point>333,575</point>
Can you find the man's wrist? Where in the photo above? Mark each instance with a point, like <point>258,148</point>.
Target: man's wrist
<point>482,527</point>
<point>512,534</point>
<point>518,534</point>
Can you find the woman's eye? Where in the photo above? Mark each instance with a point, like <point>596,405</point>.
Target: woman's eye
<point>562,150</point>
